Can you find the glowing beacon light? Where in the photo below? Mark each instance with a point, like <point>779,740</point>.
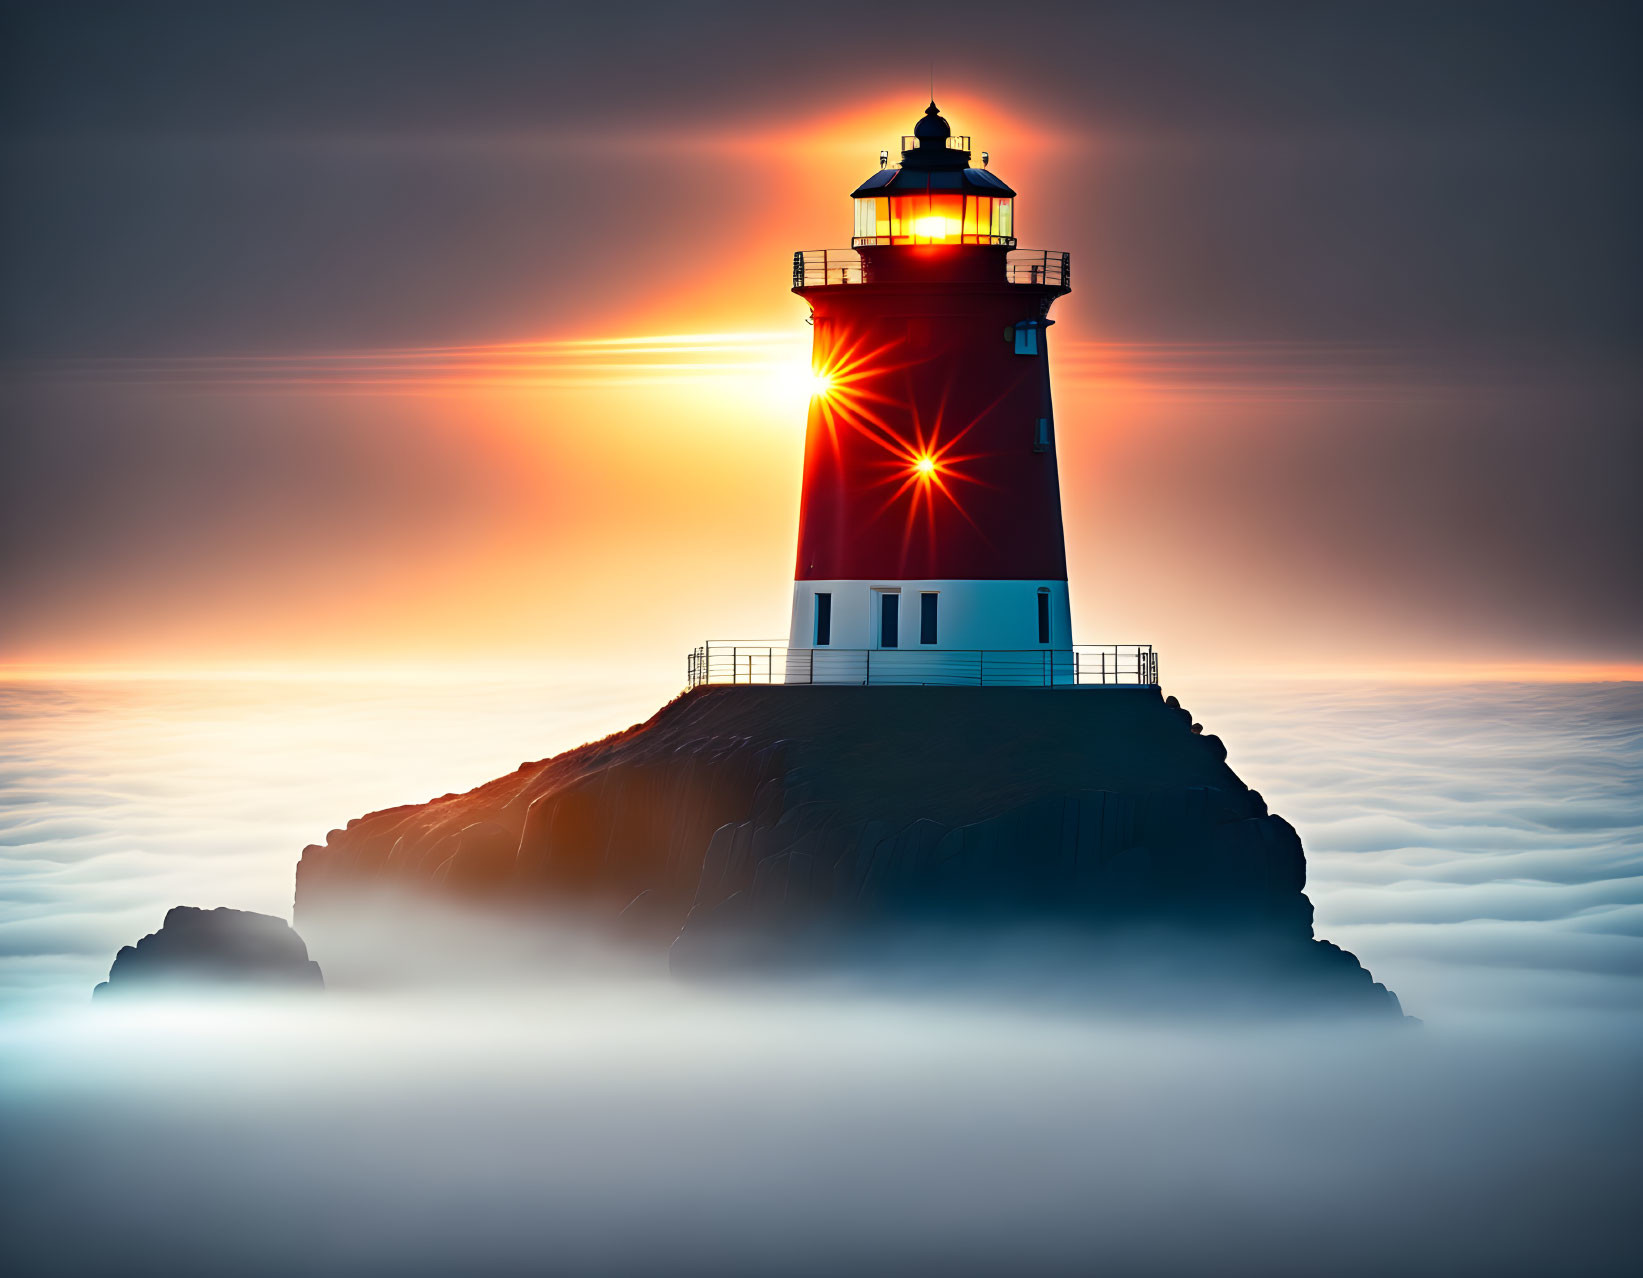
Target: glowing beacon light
<point>930,520</point>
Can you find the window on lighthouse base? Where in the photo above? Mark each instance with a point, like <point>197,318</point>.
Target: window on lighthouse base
<point>889,619</point>
<point>824,619</point>
<point>927,616</point>
<point>1043,616</point>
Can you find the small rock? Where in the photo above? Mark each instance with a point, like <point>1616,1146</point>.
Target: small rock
<point>213,947</point>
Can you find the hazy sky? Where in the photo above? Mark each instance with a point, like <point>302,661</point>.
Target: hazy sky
<point>316,323</point>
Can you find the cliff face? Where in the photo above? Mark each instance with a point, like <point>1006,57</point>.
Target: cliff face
<point>753,824</point>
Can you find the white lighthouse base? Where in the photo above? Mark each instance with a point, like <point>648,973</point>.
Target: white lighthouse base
<point>985,632</point>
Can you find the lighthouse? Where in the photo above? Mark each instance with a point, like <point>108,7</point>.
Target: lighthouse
<point>930,537</point>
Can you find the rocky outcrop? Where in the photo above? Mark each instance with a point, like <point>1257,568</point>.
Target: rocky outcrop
<point>752,825</point>
<point>197,947</point>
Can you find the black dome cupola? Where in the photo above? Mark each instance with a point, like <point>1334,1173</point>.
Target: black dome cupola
<point>932,125</point>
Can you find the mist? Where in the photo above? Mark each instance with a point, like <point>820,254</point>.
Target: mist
<point>470,1096</point>
<point>600,1119</point>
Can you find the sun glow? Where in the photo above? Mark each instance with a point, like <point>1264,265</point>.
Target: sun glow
<point>924,465</point>
<point>934,228</point>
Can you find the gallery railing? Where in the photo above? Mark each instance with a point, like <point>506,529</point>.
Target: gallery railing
<point>723,661</point>
<point>956,142</point>
<point>1040,266</point>
<point>814,268</point>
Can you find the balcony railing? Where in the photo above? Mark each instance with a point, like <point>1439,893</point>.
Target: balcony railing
<point>813,268</point>
<point>1111,665</point>
<point>993,241</point>
<point>1040,266</point>
<point>957,142</point>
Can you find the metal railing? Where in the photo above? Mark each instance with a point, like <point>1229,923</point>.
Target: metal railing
<point>814,268</point>
<point>729,661</point>
<point>992,241</point>
<point>956,142</point>
<point>1040,266</point>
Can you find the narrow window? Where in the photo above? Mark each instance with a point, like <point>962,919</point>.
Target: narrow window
<point>1026,338</point>
<point>927,616</point>
<point>889,618</point>
<point>1041,437</point>
<point>1043,616</point>
<point>824,620</point>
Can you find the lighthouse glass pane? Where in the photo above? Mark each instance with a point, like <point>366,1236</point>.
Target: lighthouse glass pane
<point>909,218</point>
<point>970,219</point>
<point>881,217</point>
<point>946,218</point>
<point>1004,221</point>
<point>984,217</point>
<point>864,218</point>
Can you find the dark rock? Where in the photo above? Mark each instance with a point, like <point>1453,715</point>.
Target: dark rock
<point>213,947</point>
<point>752,825</point>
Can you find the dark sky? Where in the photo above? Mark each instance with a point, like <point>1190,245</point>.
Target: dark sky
<point>1424,215</point>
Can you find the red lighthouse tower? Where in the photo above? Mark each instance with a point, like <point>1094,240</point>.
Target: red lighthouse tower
<point>930,537</point>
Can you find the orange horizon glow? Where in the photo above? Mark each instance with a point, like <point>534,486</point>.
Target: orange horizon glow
<point>519,487</point>
<point>653,457</point>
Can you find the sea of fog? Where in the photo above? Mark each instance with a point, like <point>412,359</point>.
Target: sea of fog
<point>1479,847</point>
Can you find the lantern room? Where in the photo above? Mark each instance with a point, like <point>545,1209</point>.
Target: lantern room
<point>934,196</point>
